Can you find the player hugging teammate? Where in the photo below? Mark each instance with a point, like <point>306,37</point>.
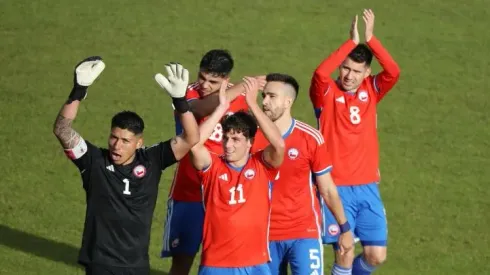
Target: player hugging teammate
<point>260,190</point>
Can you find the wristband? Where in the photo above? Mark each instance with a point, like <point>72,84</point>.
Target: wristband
<point>344,227</point>
<point>77,93</point>
<point>180,104</point>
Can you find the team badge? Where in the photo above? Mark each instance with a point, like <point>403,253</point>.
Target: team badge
<point>333,230</point>
<point>293,153</point>
<point>139,171</point>
<point>363,96</point>
<point>249,174</point>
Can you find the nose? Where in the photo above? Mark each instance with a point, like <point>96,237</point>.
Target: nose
<point>206,85</point>
<point>117,144</point>
<point>228,143</point>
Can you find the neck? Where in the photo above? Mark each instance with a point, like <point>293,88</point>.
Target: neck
<point>284,123</point>
<point>239,163</point>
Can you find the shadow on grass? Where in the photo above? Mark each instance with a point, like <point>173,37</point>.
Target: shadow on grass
<point>45,248</point>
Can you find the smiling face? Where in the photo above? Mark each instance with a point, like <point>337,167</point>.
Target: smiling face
<point>123,145</point>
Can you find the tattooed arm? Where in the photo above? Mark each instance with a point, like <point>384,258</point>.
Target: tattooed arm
<point>62,129</point>
<point>181,144</point>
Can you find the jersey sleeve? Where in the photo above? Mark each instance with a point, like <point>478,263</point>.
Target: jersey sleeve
<point>320,159</point>
<point>272,172</point>
<point>321,80</point>
<point>384,81</point>
<point>161,154</point>
<point>83,154</point>
<point>206,174</point>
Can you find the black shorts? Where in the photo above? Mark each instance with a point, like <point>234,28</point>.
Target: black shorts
<point>96,269</point>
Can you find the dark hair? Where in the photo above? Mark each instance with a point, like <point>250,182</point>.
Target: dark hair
<point>240,122</point>
<point>361,53</point>
<point>128,120</point>
<point>286,79</point>
<point>217,62</point>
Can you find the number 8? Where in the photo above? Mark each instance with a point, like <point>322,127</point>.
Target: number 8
<point>355,117</point>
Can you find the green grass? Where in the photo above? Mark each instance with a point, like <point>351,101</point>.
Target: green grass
<point>433,126</point>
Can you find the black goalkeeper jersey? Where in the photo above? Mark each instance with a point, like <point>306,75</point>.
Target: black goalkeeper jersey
<point>120,204</point>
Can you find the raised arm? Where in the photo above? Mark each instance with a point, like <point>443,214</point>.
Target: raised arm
<point>274,152</point>
<point>322,75</point>
<point>388,77</point>
<point>176,85</point>
<point>200,156</point>
<point>205,106</point>
<point>85,74</point>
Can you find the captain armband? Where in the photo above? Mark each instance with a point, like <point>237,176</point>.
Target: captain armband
<point>78,151</point>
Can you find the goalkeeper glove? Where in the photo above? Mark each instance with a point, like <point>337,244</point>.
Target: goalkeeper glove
<point>176,85</point>
<point>85,74</point>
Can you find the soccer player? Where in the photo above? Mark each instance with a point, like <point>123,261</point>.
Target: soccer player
<point>121,182</point>
<point>295,233</point>
<point>185,214</point>
<point>346,112</point>
<point>236,189</point>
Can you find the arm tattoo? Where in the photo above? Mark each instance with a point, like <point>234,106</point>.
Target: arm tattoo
<point>65,133</point>
<point>174,141</point>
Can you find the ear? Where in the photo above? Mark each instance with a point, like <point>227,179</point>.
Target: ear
<point>368,72</point>
<point>139,143</point>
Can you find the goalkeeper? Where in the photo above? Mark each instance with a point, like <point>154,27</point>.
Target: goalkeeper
<point>121,182</point>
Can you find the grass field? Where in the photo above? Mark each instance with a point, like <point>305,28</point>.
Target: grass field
<point>433,126</point>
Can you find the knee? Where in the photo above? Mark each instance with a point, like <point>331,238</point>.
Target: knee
<point>375,257</point>
<point>346,259</point>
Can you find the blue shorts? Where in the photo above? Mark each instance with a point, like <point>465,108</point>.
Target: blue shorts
<point>365,212</point>
<point>262,269</point>
<point>304,256</point>
<point>183,228</point>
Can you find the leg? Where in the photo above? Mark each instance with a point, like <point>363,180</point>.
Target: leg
<point>306,257</point>
<point>277,250</point>
<point>343,263</point>
<point>183,234</point>
<point>371,229</point>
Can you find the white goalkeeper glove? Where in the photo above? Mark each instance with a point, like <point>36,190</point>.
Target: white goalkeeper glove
<point>85,74</point>
<point>176,85</point>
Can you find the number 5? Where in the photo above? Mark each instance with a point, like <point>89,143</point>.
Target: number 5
<point>315,259</point>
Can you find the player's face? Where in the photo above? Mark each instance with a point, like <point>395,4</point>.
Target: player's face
<point>236,146</point>
<point>123,145</point>
<point>274,100</point>
<point>209,83</point>
<point>352,74</point>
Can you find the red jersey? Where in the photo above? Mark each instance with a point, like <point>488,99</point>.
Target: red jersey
<point>237,206</point>
<point>186,185</point>
<point>295,212</point>
<point>349,121</point>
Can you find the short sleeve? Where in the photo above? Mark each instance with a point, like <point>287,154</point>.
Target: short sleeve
<point>320,161</point>
<point>272,172</point>
<point>161,154</point>
<point>205,175</point>
<point>83,155</point>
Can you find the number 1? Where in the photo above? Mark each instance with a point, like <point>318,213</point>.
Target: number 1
<point>126,187</point>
